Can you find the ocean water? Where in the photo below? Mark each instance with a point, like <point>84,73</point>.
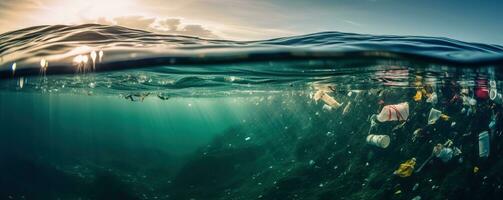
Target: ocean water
<point>106,112</point>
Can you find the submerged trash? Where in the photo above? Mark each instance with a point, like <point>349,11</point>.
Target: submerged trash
<point>444,152</point>
<point>432,98</point>
<point>327,99</point>
<point>475,169</point>
<point>381,141</point>
<point>484,144</point>
<point>326,107</point>
<point>346,108</point>
<point>406,168</point>
<point>435,115</point>
<point>417,134</point>
<point>468,101</point>
<point>137,97</point>
<point>398,112</point>
<point>481,90</point>
<point>495,96</point>
<point>417,198</point>
<point>418,96</point>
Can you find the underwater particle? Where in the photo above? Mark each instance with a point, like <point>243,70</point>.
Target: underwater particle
<point>415,187</point>
<point>247,138</point>
<point>92,85</point>
<point>453,124</point>
<point>326,107</point>
<point>14,66</point>
<point>311,162</point>
<point>417,198</point>
<point>231,78</point>
<point>398,192</point>
<point>190,105</point>
<point>321,185</point>
<point>330,134</point>
<point>475,169</point>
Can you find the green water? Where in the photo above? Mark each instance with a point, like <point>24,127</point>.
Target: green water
<point>273,143</point>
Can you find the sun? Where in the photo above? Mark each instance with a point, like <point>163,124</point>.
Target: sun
<point>77,11</point>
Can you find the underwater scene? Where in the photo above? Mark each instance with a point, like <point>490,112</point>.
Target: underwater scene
<point>107,112</point>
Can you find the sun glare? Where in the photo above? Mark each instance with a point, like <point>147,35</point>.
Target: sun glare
<point>78,10</point>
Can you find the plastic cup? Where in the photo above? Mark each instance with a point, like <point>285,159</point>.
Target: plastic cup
<point>434,115</point>
<point>397,112</point>
<point>381,141</point>
<point>484,144</point>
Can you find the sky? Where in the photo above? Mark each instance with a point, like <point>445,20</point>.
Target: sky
<point>467,20</point>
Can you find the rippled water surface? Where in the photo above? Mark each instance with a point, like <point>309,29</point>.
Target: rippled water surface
<point>106,112</point>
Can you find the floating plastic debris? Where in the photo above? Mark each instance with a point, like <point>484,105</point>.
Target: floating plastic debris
<point>432,98</point>
<point>484,144</point>
<point>327,99</point>
<point>468,101</point>
<point>435,115</point>
<point>418,96</point>
<point>381,141</point>
<point>398,112</point>
<point>406,169</point>
<point>346,108</point>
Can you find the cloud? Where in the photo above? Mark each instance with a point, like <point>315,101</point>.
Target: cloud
<point>157,25</point>
<point>172,24</point>
<point>136,22</point>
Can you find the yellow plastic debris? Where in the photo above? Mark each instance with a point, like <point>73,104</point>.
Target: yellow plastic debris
<point>418,96</point>
<point>475,169</point>
<point>406,169</point>
<point>444,117</point>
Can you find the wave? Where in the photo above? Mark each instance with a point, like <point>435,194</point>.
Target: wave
<point>70,49</point>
